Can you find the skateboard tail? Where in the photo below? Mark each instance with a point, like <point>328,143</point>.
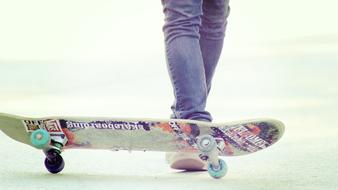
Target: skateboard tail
<point>12,126</point>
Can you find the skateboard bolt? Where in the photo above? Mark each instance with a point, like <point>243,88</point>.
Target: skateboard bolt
<point>205,142</point>
<point>38,136</point>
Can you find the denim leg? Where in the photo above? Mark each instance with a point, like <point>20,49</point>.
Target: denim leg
<point>184,58</point>
<point>212,32</point>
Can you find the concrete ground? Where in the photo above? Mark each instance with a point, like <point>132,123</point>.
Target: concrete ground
<point>305,158</point>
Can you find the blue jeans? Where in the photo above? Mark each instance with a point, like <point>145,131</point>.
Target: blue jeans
<point>194,32</point>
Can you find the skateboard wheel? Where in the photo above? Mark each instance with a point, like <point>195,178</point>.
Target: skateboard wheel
<point>220,172</point>
<point>40,138</point>
<point>206,143</point>
<point>54,162</point>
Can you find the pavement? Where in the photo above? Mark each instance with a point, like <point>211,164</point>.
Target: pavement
<point>305,158</point>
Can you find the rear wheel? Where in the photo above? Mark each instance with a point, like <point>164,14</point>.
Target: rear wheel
<point>54,161</point>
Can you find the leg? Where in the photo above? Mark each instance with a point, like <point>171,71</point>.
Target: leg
<point>184,58</point>
<point>212,32</point>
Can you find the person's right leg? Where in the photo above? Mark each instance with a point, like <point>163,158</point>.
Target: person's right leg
<point>184,58</point>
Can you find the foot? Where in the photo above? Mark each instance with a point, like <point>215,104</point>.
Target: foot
<point>186,161</point>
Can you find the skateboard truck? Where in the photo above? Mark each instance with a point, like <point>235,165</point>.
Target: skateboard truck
<point>52,148</point>
<point>207,145</point>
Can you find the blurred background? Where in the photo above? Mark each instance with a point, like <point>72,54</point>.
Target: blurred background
<point>106,58</point>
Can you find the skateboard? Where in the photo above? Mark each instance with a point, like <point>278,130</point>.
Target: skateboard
<point>210,140</point>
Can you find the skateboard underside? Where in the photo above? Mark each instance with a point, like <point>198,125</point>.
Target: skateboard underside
<point>233,139</point>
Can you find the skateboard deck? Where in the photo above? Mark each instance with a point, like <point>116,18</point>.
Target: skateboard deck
<point>171,135</point>
<point>166,135</point>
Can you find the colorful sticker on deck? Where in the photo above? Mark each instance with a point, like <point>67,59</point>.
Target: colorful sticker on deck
<point>112,125</point>
<point>54,128</point>
<point>184,133</point>
<point>32,125</point>
<point>249,137</point>
<point>181,135</point>
<point>51,125</point>
<point>224,147</point>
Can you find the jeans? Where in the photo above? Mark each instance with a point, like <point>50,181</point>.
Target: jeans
<point>194,32</point>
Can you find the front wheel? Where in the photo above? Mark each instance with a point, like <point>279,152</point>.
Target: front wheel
<point>218,172</point>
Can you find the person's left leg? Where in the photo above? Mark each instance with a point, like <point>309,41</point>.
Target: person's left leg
<point>212,32</point>
<point>192,56</point>
<point>186,70</point>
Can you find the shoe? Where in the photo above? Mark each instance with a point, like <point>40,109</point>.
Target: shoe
<point>186,161</point>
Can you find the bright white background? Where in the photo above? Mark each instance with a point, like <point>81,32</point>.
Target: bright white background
<point>106,58</point>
